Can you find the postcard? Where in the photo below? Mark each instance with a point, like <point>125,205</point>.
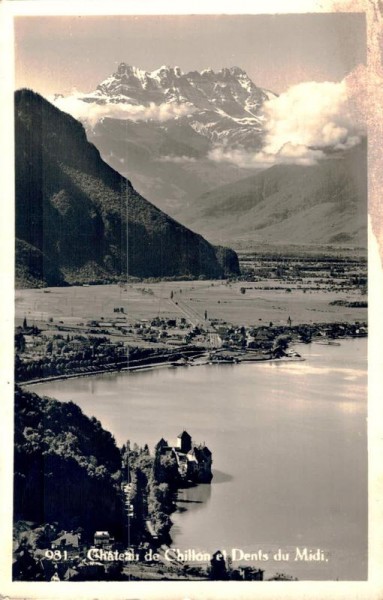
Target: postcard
<point>192,258</point>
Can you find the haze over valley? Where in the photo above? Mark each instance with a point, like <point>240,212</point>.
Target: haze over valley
<point>233,161</point>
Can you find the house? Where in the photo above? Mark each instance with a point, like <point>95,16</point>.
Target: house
<point>250,574</point>
<point>67,541</point>
<point>102,539</point>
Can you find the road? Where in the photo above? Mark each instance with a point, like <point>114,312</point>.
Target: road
<point>197,320</point>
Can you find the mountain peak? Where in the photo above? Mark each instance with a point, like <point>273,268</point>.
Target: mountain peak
<point>223,106</point>
<point>124,68</point>
<point>236,71</point>
<point>166,71</point>
<point>229,90</point>
<point>162,69</point>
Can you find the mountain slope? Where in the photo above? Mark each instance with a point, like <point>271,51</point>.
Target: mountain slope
<point>82,221</point>
<point>290,204</point>
<point>167,162</point>
<point>158,128</point>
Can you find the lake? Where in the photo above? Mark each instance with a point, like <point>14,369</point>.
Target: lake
<point>289,444</point>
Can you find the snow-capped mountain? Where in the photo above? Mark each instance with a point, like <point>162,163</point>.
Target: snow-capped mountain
<point>161,129</point>
<point>223,106</point>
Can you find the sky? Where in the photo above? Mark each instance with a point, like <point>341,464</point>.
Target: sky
<point>62,54</point>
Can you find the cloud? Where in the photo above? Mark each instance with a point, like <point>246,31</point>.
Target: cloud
<point>289,153</point>
<point>299,125</point>
<point>177,159</point>
<point>304,121</point>
<point>91,112</point>
<point>311,115</point>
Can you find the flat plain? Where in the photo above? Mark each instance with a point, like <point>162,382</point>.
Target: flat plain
<point>221,300</point>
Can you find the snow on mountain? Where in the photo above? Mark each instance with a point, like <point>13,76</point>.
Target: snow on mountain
<point>196,145</point>
<point>172,122</point>
<point>224,106</point>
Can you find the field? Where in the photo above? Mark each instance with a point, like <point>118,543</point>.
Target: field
<point>254,305</point>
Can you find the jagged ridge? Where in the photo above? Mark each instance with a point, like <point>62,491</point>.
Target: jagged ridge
<point>223,105</point>
<point>229,89</point>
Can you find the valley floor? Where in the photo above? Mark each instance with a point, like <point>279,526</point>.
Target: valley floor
<point>80,330</point>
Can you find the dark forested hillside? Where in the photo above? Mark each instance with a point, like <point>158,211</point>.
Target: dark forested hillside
<point>79,220</point>
<point>66,466</point>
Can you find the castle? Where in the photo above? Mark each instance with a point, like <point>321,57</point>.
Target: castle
<point>193,462</point>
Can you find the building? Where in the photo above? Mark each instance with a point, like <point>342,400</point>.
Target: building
<point>199,463</point>
<point>250,574</point>
<point>194,462</point>
<point>102,539</point>
<point>184,441</point>
<point>67,541</point>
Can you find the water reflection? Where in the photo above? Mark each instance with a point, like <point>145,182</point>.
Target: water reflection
<point>193,498</point>
<point>289,453</point>
<point>221,477</point>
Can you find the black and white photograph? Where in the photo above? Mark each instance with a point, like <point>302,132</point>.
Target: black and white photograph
<point>191,291</point>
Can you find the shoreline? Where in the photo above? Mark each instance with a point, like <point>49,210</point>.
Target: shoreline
<point>148,367</point>
<point>166,364</point>
<point>173,542</point>
<point>153,366</point>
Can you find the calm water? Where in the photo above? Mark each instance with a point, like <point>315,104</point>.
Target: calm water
<point>289,450</point>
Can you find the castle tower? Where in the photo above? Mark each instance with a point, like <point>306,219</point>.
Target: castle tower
<point>184,442</point>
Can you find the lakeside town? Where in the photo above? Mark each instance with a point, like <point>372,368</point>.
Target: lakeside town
<point>79,330</point>
<point>268,314</point>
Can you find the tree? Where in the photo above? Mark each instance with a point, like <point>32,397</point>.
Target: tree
<point>218,569</point>
<point>20,342</point>
<point>25,324</point>
<point>165,469</point>
<point>280,345</point>
<point>26,567</point>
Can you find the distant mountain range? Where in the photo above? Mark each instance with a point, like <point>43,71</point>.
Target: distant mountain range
<point>164,129</point>
<point>183,117</point>
<point>221,106</point>
<point>322,204</point>
<point>78,220</point>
